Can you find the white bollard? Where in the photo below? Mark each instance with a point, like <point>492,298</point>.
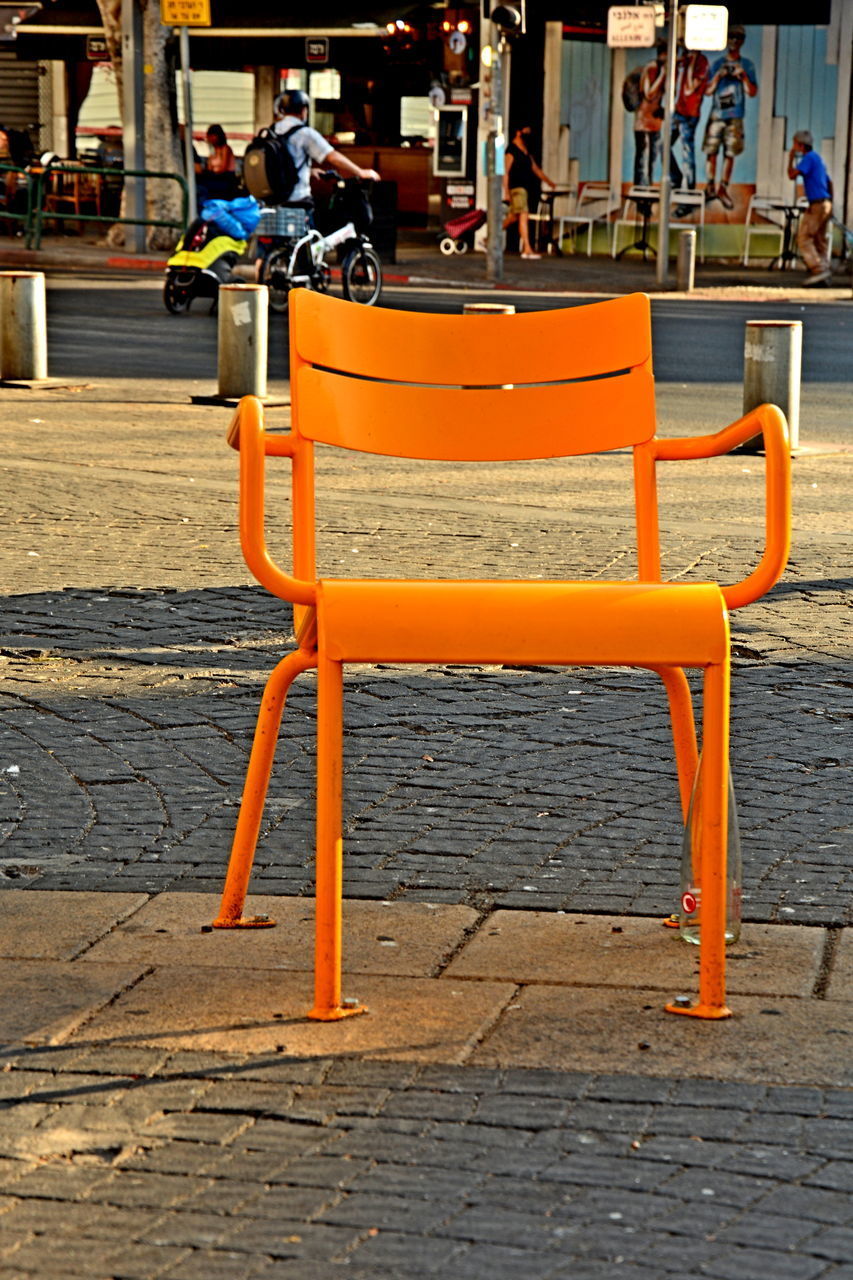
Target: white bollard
<point>23,326</point>
<point>243,340</point>
<point>488,309</point>
<point>686,269</point>
<point>772,364</point>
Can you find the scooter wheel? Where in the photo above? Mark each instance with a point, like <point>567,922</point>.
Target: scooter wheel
<point>176,295</point>
<point>447,245</point>
<point>462,246</point>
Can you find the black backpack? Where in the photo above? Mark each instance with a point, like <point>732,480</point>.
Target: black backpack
<point>269,170</point>
<point>632,95</point>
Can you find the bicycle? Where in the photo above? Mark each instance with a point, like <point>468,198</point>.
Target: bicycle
<point>298,258</point>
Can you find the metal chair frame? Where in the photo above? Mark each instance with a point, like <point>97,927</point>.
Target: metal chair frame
<point>580,381</point>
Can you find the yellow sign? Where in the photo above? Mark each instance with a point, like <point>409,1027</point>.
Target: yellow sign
<point>185,13</point>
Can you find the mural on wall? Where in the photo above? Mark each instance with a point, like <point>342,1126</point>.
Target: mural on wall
<point>735,114</point>
<point>714,124</point>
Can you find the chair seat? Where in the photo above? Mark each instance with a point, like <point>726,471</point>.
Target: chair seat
<point>556,623</point>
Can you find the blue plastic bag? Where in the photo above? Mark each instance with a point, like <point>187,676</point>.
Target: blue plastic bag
<point>237,218</point>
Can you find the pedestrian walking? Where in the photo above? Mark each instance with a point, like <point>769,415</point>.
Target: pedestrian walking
<point>519,171</point>
<point>813,239</point>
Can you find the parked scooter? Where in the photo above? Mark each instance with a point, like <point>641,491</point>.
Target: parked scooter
<point>203,260</point>
<point>206,253</point>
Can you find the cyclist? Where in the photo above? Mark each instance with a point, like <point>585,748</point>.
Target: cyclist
<point>309,149</point>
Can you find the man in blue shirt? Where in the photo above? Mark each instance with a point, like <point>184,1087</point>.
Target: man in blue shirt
<point>813,239</point>
<point>732,81</point>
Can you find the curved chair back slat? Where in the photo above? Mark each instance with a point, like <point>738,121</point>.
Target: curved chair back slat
<point>472,350</point>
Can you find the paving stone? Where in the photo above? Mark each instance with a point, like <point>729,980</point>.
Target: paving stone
<point>45,1000</point>
<point>554,1027</point>
<point>397,938</point>
<point>526,946</point>
<point>208,1007</point>
<point>59,926</point>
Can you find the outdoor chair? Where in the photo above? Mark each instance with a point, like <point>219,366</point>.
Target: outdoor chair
<point>596,203</point>
<point>763,218</point>
<point>686,203</point>
<point>494,388</point>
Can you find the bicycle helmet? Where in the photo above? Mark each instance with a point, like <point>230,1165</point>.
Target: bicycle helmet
<point>290,103</point>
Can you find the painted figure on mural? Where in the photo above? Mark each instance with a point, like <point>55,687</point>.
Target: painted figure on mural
<point>732,81</point>
<point>648,118</point>
<point>691,79</point>
<point>813,240</point>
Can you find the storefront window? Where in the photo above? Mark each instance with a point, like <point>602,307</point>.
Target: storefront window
<point>417,120</point>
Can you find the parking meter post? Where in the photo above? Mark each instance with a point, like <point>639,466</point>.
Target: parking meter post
<point>23,326</point>
<point>686,269</point>
<point>662,266</point>
<point>772,366</point>
<point>243,340</point>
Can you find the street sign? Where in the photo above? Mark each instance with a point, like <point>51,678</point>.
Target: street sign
<point>706,26</point>
<point>631,27</point>
<point>185,13</point>
<point>317,49</point>
<point>96,49</point>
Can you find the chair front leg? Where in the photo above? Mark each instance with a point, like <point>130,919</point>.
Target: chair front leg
<point>712,836</point>
<point>328,1004</point>
<point>255,793</point>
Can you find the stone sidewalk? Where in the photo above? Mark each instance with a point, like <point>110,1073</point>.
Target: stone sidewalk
<point>516,1104</point>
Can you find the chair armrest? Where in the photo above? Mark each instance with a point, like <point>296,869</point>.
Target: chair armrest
<point>770,422</point>
<point>246,434</point>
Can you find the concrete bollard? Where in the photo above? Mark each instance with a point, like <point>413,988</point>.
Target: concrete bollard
<point>772,364</point>
<point>23,326</point>
<point>243,340</point>
<point>686,268</point>
<point>488,309</point>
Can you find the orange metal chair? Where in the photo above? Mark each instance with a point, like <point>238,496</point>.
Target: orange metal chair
<point>380,381</point>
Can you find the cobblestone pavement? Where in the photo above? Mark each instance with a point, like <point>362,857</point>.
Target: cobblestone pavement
<point>127,710</point>
<point>133,647</point>
<point>192,1167</point>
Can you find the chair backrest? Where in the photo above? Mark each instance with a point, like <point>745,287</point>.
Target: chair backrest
<point>597,193</point>
<point>472,388</point>
<point>769,209</point>
<point>689,196</point>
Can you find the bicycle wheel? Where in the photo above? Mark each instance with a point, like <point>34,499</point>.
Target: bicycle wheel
<point>362,275</point>
<point>274,274</point>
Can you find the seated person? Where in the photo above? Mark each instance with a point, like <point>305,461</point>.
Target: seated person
<point>217,177</point>
<point>15,149</point>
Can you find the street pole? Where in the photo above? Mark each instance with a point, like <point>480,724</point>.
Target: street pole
<point>665,180</point>
<point>134,119</point>
<point>494,165</point>
<point>189,158</point>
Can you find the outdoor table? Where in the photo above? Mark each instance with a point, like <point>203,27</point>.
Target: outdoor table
<point>546,219</point>
<point>788,256</point>
<point>644,199</point>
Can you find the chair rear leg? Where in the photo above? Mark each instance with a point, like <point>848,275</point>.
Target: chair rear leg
<point>683,731</point>
<point>255,793</point>
<point>715,766</point>
<point>328,1004</point>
